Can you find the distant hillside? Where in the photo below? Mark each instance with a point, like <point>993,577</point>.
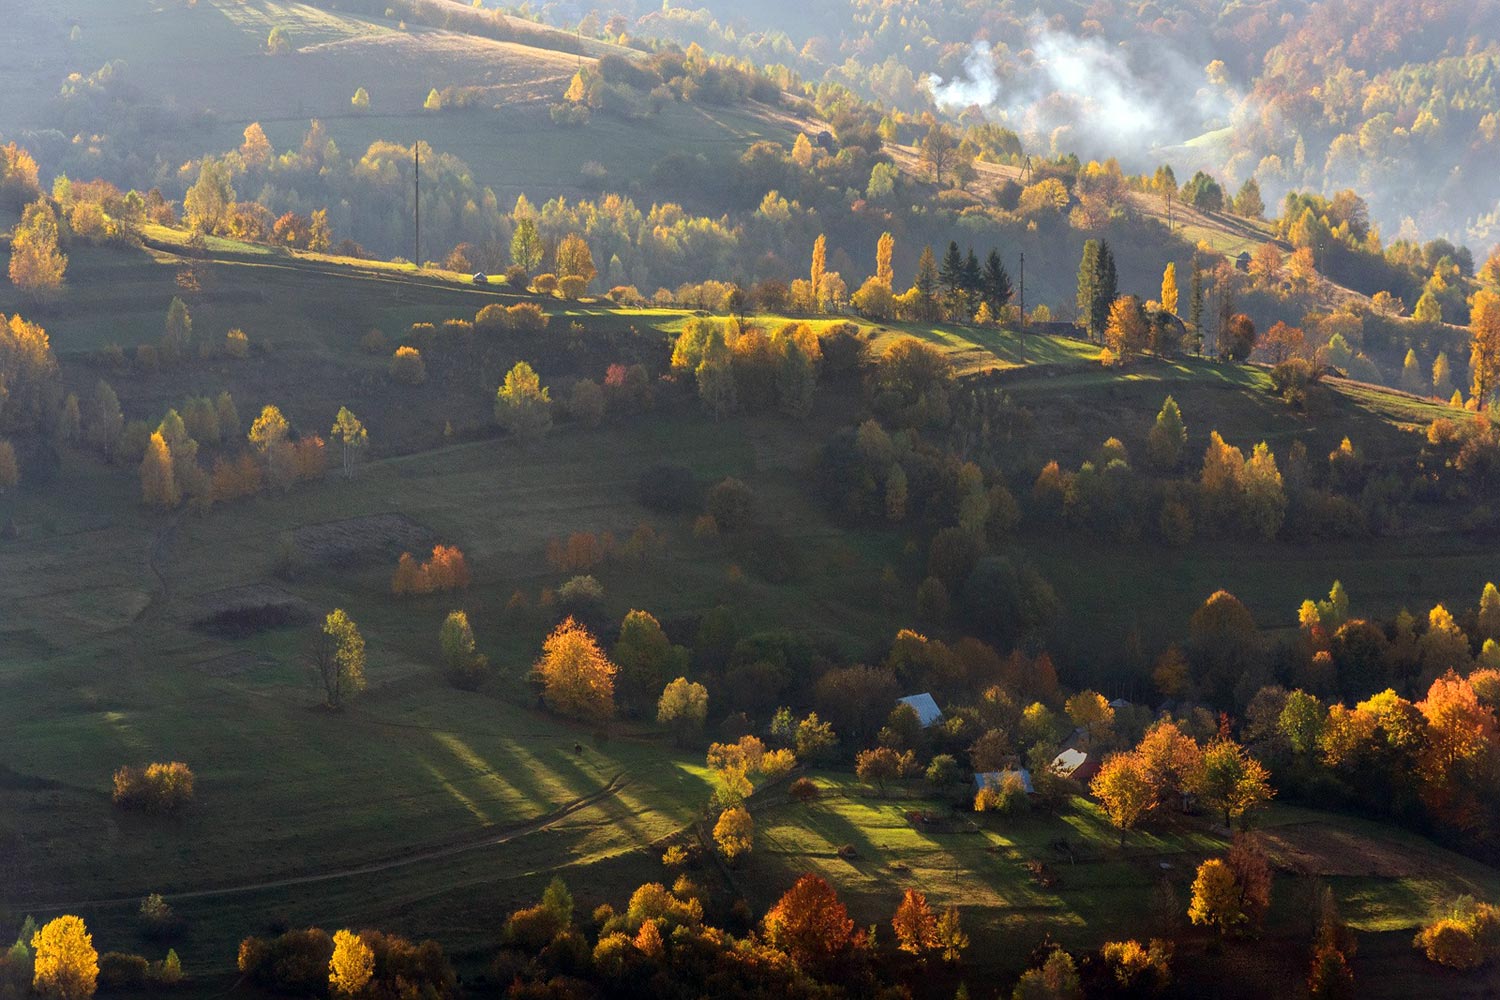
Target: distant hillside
<point>156,84</point>
<point>1391,97</point>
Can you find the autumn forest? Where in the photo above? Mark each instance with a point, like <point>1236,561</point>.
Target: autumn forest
<point>908,500</point>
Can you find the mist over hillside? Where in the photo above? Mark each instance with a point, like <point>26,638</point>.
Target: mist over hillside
<point>1397,100</point>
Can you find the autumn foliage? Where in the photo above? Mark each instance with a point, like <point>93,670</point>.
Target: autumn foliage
<point>446,570</point>
<point>577,679</point>
<point>810,923</point>
<point>156,788</point>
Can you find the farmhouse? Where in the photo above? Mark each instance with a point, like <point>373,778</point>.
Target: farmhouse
<point>925,706</point>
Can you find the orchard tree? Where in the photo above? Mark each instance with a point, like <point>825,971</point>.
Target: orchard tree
<point>1216,897</point>
<point>574,260</point>
<point>809,923</point>
<point>463,664</point>
<point>646,657</point>
<point>1125,790</point>
<point>65,964</point>
<point>578,680</point>
<point>351,434</point>
<point>1127,331</point>
<point>734,833</point>
<point>1231,780</point>
<point>683,708</point>
<point>523,406</point>
<point>352,965</point>
<point>914,924</point>
<point>1090,711</point>
<point>526,245</point>
<point>339,656</point>
<point>207,202</point>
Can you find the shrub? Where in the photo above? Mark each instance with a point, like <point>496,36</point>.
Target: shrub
<point>492,319</point>
<point>527,317</point>
<point>515,277</point>
<point>803,790</point>
<point>581,596</point>
<point>1466,937</point>
<point>156,917</point>
<point>407,366</point>
<point>373,342</point>
<point>732,505</point>
<point>236,344</point>
<point>157,788</point>
<point>295,963</point>
<point>586,403</point>
<point>1293,379</point>
<point>544,284</point>
<point>626,295</point>
<point>572,287</point>
<point>446,570</point>
<point>119,971</point>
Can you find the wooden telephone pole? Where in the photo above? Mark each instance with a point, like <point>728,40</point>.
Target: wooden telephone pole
<point>1022,326</point>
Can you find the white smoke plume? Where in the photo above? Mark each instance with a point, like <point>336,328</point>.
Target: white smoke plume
<point>1090,89</point>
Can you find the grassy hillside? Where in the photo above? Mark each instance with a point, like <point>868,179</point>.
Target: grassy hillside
<point>431,811</point>
<point>204,68</point>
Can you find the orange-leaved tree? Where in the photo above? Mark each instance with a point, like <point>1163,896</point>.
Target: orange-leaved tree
<point>578,680</point>
<point>914,924</point>
<point>810,923</point>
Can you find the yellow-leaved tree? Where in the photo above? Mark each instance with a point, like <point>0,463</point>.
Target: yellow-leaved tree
<point>36,265</point>
<point>734,833</point>
<point>1169,289</point>
<point>915,925</point>
<point>339,655</point>
<point>158,481</point>
<point>819,268</point>
<point>349,432</point>
<point>577,679</point>
<point>66,964</point>
<point>885,250</point>
<point>523,405</point>
<point>1484,358</point>
<point>352,965</point>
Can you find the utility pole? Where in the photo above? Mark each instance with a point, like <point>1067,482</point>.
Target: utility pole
<point>1023,306</point>
<point>417,204</point>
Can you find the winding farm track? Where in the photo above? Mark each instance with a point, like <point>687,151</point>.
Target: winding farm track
<point>491,838</point>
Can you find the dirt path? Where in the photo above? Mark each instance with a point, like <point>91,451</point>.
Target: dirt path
<point>492,839</point>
